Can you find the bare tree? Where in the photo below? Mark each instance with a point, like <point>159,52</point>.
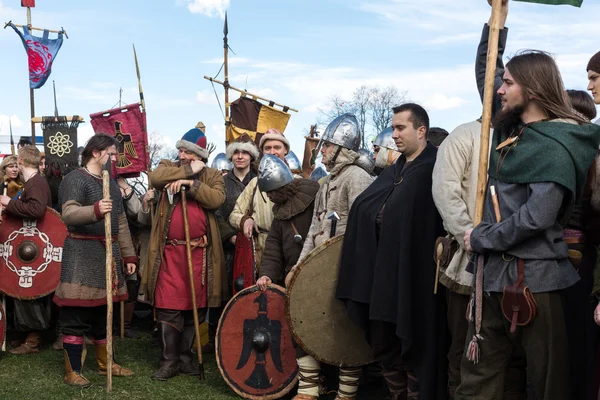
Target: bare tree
<point>372,107</point>
<point>382,102</point>
<point>361,99</point>
<point>156,148</point>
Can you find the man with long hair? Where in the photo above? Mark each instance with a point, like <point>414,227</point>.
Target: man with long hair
<point>541,151</point>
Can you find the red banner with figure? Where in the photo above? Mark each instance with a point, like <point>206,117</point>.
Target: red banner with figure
<point>128,125</point>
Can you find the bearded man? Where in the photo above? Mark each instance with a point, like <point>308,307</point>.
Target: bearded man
<point>541,152</point>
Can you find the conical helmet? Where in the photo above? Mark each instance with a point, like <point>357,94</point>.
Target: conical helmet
<point>221,162</point>
<point>293,161</point>
<point>317,174</point>
<point>344,132</point>
<point>273,173</point>
<point>384,139</point>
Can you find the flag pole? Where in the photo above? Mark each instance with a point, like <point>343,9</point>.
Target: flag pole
<point>31,94</point>
<point>226,75</point>
<point>473,348</point>
<point>486,119</point>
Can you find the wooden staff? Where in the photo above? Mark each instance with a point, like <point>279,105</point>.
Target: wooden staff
<point>486,119</point>
<point>473,350</point>
<point>3,296</point>
<point>188,248</point>
<point>122,319</point>
<point>109,279</point>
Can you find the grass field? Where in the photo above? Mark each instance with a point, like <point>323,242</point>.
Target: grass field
<point>39,377</point>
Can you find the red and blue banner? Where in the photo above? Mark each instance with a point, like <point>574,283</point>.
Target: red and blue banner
<point>41,52</point>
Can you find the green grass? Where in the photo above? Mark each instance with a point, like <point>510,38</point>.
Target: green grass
<point>40,377</point>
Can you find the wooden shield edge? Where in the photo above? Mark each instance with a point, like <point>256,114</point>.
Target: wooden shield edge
<point>299,342</point>
<point>286,389</point>
<point>28,298</point>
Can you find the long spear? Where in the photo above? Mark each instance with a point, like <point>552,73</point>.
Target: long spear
<point>137,70</point>
<point>486,123</point>
<point>12,141</point>
<point>226,76</point>
<point>143,104</point>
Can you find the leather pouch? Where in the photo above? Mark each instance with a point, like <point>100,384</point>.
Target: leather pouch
<point>518,304</point>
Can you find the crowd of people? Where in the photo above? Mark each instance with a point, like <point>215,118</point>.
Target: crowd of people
<point>506,309</point>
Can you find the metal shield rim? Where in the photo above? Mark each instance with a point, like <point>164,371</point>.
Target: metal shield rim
<point>243,292</point>
<point>298,340</point>
<point>56,214</point>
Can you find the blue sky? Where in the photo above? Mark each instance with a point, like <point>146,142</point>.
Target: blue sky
<point>296,52</point>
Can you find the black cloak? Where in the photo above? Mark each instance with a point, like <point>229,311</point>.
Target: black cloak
<point>389,275</point>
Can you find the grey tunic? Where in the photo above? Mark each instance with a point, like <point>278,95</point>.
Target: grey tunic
<point>529,230</point>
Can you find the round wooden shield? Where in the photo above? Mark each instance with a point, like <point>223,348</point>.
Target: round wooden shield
<point>255,352</point>
<point>319,322</point>
<point>2,324</point>
<point>31,255</point>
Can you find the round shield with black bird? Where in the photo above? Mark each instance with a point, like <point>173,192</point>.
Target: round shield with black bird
<point>254,351</point>
<point>31,255</point>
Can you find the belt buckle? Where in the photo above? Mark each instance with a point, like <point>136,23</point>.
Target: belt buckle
<point>509,259</point>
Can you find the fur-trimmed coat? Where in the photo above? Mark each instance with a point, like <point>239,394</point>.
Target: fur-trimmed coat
<point>209,191</point>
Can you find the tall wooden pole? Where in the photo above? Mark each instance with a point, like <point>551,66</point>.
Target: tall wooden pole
<point>486,119</point>
<point>3,296</point>
<point>473,348</point>
<point>31,94</point>
<point>226,75</point>
<point>188,248</point>
<point>109,282</point>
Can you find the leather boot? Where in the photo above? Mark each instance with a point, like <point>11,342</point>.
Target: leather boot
<point>188,366</point>
<point>102,359</point>
<point>129,332</point>
<point>58,344</point>
<point>210,346</point>
<point>169,337</point>
<point>74,359</point>
<point>29,346</point>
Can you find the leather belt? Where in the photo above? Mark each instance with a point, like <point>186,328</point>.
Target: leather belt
<point>574,236</point>
<point>80,236</point>
<point>194,243</point>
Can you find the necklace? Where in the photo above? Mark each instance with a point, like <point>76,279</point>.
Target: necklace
<point>91,173</point>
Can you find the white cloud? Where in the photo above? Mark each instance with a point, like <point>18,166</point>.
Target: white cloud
<point>439,101</point>
<point>207,97</point>
<point>84,133</point>
<point>5,126</point>
<point>210,8</point>
<point>230,61</point>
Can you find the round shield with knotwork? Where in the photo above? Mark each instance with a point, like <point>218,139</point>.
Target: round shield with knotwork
<point>319,322</point>
<point>254,346</point>
<point>31,255</point>
<point>2,324</point>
